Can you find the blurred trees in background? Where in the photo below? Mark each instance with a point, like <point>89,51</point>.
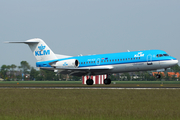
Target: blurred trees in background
<point>26,72</point>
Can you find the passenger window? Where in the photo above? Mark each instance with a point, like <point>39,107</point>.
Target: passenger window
<point>89,62</point>
<point>157,55</point>
<point>131,58</point>
<point>118,59</point>
<point>112,60</point>
<point>139,57</point>
<point>86,62</point>
<point>128,58</point>
<point>94,61</point>
<point>104,60</point>
<point>121,59</point>
<point>107,60</point>
<point>81,62</point>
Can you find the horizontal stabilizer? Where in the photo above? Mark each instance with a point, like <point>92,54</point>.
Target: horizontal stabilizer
<point>40,49</point>
<point>27,42</point>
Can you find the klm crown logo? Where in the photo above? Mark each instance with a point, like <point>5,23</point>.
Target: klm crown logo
<point>42,51</point>
<point>65,64</point>
<point>41,47</point>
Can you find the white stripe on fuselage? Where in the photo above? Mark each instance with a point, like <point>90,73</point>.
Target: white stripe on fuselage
<point>139,66</point>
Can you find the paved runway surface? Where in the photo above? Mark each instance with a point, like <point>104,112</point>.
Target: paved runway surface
<point>140,88</point>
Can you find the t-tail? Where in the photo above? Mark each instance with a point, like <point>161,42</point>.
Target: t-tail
<point>40,49</point>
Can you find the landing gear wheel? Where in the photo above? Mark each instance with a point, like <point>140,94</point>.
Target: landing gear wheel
<point>107,81</point>
<point>158,76</point>
<point>89,82</point>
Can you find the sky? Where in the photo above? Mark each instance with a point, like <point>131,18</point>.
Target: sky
<point>74,27</point>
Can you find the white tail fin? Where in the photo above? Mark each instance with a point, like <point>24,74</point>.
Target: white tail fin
<point>40,50</point>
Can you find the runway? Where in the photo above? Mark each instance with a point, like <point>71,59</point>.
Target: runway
<point>105,88</point>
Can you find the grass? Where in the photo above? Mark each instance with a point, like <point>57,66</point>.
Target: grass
<point>53,104</point>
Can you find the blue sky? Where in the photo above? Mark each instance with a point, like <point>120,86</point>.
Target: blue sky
<point>74,27</point>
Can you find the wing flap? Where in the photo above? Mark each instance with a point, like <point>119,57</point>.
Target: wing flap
<point>79,71</point>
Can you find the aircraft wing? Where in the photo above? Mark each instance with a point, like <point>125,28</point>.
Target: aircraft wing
<point>80,71</point>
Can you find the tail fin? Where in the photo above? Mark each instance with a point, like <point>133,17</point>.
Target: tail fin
<point>40,50</point>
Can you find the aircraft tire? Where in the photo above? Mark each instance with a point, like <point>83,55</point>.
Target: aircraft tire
<point>107,81</point>
<point>158,76</point>
<point>89,82</point>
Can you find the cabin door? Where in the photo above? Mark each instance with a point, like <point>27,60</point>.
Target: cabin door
<point>149,59</point>
<point>98,61</point>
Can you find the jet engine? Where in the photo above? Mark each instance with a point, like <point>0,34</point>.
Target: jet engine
<point>65,63</point>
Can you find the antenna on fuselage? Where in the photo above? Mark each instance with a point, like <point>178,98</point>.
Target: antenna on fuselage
<point>128,50</point>
<point>80,55</point>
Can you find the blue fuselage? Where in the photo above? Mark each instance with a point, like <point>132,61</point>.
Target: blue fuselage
<point>135,58</point>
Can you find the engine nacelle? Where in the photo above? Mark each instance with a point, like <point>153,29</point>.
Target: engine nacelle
<point>66,63</point>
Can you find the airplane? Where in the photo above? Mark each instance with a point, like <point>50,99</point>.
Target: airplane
<point>144,60</point>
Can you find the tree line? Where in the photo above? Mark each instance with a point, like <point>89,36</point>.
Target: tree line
<point>26,72</point>
<point>147,75</point>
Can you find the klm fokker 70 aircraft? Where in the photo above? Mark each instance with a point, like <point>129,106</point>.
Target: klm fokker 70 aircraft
<point>99,64</point>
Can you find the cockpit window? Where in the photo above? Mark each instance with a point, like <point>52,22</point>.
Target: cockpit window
<point>165,54</point>
<point>161,55</point>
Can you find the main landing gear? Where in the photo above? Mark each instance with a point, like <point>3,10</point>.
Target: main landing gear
<point>89,82</point>
<point>107,81</point>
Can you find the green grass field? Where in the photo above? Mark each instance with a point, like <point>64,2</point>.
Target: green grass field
<point>54,104</point>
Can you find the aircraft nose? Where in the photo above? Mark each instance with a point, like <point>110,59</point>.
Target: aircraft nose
<point>174,62</point>
<point>170,63</point>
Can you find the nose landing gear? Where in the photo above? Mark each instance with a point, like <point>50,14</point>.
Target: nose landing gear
<point>158,76</point>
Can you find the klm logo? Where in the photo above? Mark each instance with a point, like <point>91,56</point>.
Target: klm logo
<point>140,54</point>
<point>42,51</point>
<point>65,64</point>
<point>41,47</point>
